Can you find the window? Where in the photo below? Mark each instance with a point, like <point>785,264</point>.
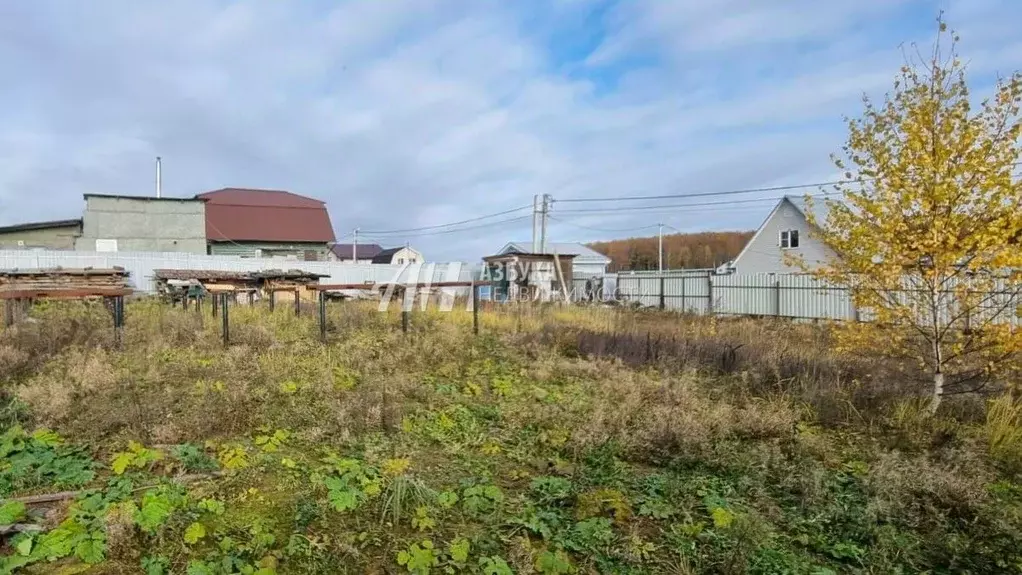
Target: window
<point>400,260</point>
<point>789,239</point>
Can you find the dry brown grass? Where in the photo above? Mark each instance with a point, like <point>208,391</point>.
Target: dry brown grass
<point>899,486</point>
<point>173,382</point>
<point>650,415</point>
<point>745,356</point>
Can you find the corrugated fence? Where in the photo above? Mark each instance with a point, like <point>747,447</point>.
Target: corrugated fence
<point>786,295</point>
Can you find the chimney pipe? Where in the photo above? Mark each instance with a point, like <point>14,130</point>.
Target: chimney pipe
<point>159,179</point>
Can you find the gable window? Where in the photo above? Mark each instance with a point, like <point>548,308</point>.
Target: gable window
<point>789,239</point>
<point>400,260</point>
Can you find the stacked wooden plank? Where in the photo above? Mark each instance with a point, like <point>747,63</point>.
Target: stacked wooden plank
<point>63,279</point>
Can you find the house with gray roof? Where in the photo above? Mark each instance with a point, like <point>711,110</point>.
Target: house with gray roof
<point>587,263</point>
<point>785,231</point>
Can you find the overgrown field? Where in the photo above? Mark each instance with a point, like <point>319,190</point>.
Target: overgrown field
<point>558,441</point>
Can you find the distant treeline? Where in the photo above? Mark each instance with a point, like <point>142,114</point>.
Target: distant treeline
<point>700,250</point>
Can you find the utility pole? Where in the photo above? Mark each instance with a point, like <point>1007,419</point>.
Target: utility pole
<point>354,247</point>
<point>543,215</point>
<point>535,230</point>
<point>660,250</point>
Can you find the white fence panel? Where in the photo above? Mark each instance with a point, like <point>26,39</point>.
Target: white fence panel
<point>807,297</point>
<point>745,295</point>
<point>140,266</point>
<point>799,296</point>
<point>687,291</point>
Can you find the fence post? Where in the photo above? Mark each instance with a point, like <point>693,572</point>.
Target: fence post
<point>8,313</point>
<point>215,303</point>
<point>322,316</point>
<point>709,294</point>
<point>118,320</point>
<point>663,296</point>
<point>475,309</point>
<point>684,280</point>
<point>225,321</point>
<point>298,303</point>
<point>404,320</point>
<point>777,297</point>
<point>273,300</point>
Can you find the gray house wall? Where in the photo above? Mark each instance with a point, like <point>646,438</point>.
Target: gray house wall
<point>763,253</point>
<point>319,251</point>
<point>144,224</point>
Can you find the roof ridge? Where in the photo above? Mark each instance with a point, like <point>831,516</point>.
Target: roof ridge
<point>259,190</point>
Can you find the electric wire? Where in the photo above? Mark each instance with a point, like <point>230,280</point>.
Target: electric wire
<point>438,226</point>
<point>707,194</point>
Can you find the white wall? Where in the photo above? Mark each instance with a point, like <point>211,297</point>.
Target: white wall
<point>764,255</point>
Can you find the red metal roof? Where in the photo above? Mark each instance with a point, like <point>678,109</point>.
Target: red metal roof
<point>238,214</point>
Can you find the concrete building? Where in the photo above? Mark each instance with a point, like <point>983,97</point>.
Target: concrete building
<point>267,223</point>
<point>113,223</point>
<point>586,264</point>
<point>785,231</point>
<point>405,255</point>
<point>54,235</point>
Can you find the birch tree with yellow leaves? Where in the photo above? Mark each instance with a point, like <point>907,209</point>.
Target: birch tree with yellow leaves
<point>928,233</point>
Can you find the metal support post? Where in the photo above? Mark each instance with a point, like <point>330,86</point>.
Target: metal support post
<point>322,316</point>
<point>225,321</point>
<point>475,309</point>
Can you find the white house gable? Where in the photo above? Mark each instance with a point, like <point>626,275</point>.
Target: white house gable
<point>785,231</point>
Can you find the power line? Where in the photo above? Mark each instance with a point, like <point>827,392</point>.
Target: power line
<point>707,194</point>
<point>614,230</point>
<point>488,225</point>
<point>438,226</point>
<point>726,192</point>
<point>687,205</point>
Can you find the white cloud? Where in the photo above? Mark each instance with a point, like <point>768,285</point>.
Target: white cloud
<point>414,113</point>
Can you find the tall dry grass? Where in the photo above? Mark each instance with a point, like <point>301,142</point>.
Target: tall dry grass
<point>656,382</point>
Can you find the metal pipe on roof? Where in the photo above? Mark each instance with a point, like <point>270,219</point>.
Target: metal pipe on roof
<point>159,179</point>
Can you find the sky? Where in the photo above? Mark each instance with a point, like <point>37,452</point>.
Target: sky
<point>404,114</point>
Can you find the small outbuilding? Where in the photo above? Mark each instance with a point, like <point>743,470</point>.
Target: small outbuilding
<point>586,264</point>
<point>528,276</point>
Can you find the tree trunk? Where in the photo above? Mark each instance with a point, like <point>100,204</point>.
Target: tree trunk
<point>938,392</point>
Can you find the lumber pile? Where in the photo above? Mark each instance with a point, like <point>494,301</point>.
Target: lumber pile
<point>63,279</point>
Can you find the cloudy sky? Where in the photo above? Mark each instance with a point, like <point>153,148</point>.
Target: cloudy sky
<point>413,113</point>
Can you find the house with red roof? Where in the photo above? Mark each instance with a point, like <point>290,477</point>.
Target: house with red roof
<point>266,223</point>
